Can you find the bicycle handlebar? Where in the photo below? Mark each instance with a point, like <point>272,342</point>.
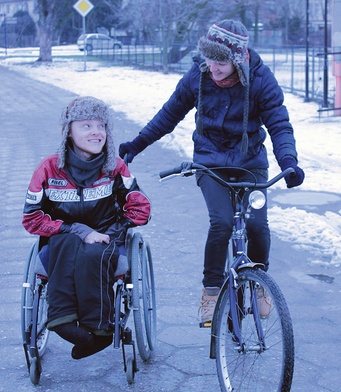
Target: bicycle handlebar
<point>189,168</point>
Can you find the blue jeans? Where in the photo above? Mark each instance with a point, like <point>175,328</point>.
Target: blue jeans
<point>221,222</point>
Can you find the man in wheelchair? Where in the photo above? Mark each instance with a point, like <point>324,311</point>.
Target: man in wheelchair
<point>81,201</point>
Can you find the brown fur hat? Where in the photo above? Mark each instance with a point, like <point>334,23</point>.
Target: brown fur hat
<point>88,108</point>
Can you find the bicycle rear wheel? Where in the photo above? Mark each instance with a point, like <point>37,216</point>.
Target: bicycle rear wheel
<point>249,366</point>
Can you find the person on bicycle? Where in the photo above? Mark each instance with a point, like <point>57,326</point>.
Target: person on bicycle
<point>236,96</point>
<point>80,201</point>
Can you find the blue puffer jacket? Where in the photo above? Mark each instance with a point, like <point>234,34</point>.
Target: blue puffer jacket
<point>222,118</point>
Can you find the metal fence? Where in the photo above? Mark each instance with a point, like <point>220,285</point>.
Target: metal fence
<point>301,75</point>
<point>289,64</point>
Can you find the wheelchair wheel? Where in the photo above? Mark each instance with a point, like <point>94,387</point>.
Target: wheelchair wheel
<point>143,297</point>
<point>33,316</point>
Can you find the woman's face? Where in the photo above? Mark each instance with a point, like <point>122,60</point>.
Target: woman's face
<point>220,70</point>
<point>88,137</point>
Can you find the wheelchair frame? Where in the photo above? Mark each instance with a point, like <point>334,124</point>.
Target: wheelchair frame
<point>134,291</point>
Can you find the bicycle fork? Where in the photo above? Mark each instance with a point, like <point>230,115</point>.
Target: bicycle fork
<point>238,311</point>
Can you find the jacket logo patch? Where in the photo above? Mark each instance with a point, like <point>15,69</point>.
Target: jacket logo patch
<point>89,194</point>
<point>55,182</point>
<point>31,196</point>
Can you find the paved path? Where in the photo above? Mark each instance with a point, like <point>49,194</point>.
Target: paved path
<point>29,117</point>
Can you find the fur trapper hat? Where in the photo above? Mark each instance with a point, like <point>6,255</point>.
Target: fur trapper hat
<point>88,108</point>
<point>225,41</point>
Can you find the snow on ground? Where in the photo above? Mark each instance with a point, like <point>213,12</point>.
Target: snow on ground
<point>140,94</point>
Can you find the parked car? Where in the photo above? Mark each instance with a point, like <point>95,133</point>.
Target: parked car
<point>97,42</point>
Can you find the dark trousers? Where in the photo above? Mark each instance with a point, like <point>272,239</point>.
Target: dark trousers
<point>81,278</point>
<point>221,222</point>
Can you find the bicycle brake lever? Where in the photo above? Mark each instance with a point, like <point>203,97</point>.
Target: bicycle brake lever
<point>184,173</point>
<point>170,177</point>
<point>187,173</point>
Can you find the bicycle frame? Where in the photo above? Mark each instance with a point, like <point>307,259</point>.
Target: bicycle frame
<point>240,260</point>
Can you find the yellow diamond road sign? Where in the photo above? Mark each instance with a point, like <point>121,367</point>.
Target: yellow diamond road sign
<point>83,7</point>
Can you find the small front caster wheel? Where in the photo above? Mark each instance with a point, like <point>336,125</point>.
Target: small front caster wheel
<point>34,371</point>
<point>130,370</point>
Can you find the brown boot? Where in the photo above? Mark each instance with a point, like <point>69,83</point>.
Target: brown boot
<point>207,305</point>
<point>264,302</point>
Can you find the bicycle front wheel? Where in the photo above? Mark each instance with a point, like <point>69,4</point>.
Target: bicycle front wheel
<point>263,360</point>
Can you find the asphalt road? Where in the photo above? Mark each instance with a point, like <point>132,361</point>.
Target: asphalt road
<point>30,130</point>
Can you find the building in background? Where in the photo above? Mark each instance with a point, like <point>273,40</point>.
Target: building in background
<point>18,23</point>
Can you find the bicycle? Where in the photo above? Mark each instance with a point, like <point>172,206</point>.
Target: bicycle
<point>252,336</point>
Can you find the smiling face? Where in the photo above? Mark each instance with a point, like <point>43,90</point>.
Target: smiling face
<point>88,137</point>
<point>220,70</point>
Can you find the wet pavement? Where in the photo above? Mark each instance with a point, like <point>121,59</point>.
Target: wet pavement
<point>308,199</point>
<point>29,117</point>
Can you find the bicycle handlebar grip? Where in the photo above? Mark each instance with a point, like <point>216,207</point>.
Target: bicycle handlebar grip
<point>169,172</point>
<point>292,173</point>
<point>289,171</point>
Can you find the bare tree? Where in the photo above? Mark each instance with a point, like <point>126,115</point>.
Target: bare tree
<point>141,17</point>
<point>53,14</point>
<point>168,23</point>
<point>46,22</point>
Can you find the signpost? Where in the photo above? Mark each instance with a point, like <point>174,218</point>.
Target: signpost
<point>83,7</point>
<point>336,48</point>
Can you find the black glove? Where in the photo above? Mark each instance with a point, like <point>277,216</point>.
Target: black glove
<point>131,149</point>
<point>293,179</point>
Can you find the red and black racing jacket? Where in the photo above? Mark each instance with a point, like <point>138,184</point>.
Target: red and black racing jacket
<point>54,202</point>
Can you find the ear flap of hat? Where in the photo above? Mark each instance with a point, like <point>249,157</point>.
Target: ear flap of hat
<point>243,69</point>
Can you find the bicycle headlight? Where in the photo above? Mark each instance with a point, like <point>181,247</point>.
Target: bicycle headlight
<point>257,200</point>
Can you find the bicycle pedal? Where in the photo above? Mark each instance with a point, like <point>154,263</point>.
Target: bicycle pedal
<point>206,324</point>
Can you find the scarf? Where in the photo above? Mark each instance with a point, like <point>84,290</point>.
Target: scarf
<point>228,82</point>
<point>83,173</point>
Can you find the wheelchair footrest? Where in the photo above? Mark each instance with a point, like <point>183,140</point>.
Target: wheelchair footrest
<point>127,336</point>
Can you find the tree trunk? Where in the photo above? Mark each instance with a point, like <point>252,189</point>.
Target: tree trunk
<point>47,10</point>
<point>45,43</point>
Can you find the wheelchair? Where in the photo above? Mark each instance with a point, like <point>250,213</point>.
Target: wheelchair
<point>134,291</point>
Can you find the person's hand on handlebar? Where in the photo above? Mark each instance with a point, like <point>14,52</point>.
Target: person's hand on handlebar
<point>293,179</point>
<point>131,149</point>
